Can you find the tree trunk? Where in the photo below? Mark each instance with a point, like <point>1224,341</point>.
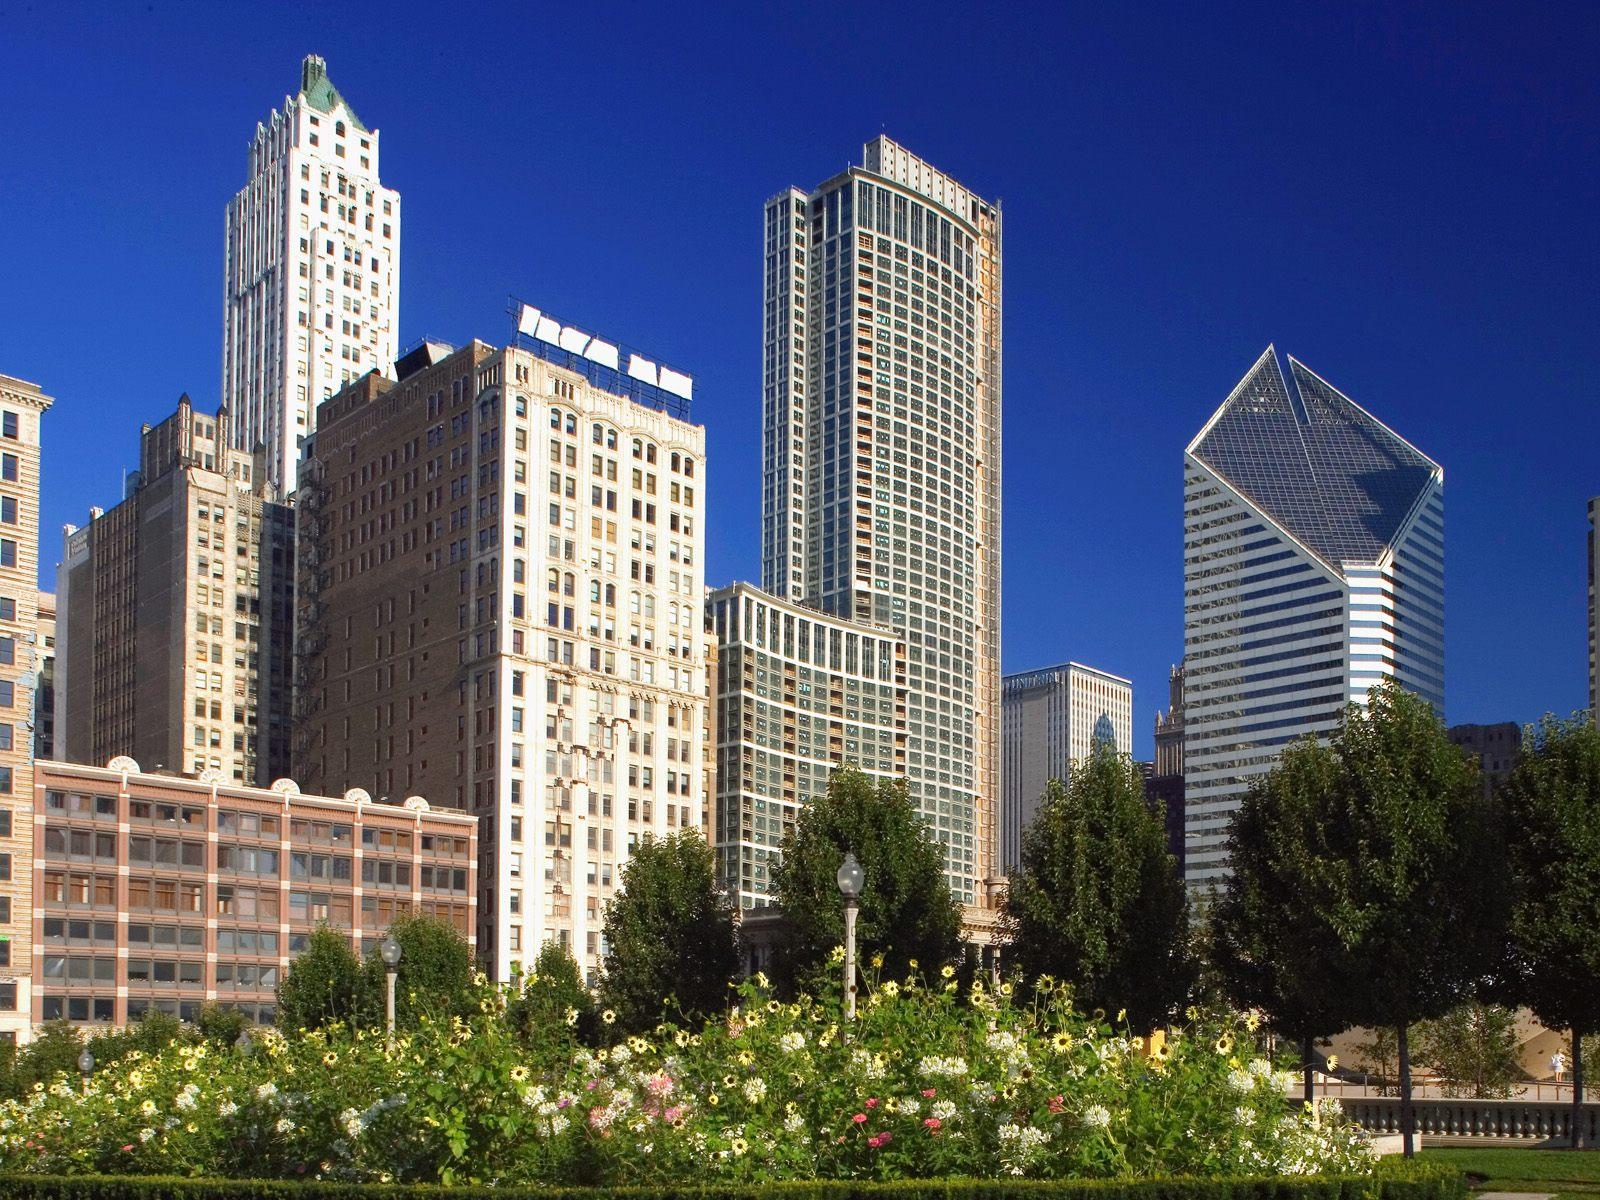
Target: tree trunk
<point>1305,1058</point>
<point>1407,1116</point>
<point>1577,1089</point>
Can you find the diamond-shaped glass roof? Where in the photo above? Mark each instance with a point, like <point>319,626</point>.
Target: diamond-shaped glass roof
<point>1332,475</point>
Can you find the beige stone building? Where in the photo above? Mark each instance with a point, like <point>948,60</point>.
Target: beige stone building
<point>501,606</point>
<point>175,613</point>
<point>22,408</point>
<point>157,891</point>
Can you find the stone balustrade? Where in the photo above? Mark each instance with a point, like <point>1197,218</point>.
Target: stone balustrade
<point>1508,1120</point>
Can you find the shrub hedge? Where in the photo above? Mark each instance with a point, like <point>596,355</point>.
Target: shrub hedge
<point>1393,1180</point>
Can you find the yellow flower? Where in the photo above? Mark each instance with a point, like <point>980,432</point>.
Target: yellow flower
<point>739,1145</point>
<point>572,1016</point>
<point>1005,989</point>
<point>728,1081</point>
<point>1122,1014</point>
<point>912,963</point>
<point>608,1016</point>
<point>1138,1043</point>
<point>877,960</point>
<point>1333,1062</point>
<point>329,1059</point>
<point>1225,1043</point>
<point>713,1099</point>
<point>519,1073</point>
<point>1062,1042</point>
<point>947,970</point>
<point>1252,1021</point>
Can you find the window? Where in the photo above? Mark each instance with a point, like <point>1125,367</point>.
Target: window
<point>8,425</point>
<point>10,467</point>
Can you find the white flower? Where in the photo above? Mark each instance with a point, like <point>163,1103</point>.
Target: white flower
<point>943,1109</point>
<point>284,1125</point>
<point>227,1108</point>
<point>1097,1116</point>
<point>351,1120</point>
<point>557,1124</point>
<point>942,1065</point>
<point>146,1134</point>
<point>911,1106</point>
<point>794,1123</point>
<point>755,1090</point>
<point>791,1042</point>
<point>1241,1080</point>
<point>266,1091</point>
<point>1260,1068</point>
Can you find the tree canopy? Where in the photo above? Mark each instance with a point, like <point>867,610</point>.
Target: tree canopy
<point>1097,900</point>
<point>906,911</point>
<point>1552,821</point>
<point>669,935</point>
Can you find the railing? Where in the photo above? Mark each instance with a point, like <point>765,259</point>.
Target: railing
<point>1523,1120</point>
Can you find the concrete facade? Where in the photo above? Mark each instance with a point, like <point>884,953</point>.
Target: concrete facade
<point>311,282</point>
<point>881,462</point>
<point>22,409</point>
<point>799,693</point>
<point>176,613</point>
<point>502,606</point>
<point>1054,717</point>
<point>157,891</point>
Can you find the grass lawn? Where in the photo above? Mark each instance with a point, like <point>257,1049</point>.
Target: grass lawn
<point>1571,1175</point>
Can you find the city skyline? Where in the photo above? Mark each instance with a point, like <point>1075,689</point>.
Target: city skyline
<point>1517,610</point>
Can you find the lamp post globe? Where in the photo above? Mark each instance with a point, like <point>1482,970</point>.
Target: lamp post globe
<point>850,880</point>
<point>86,1066</point>
<point>389,951</point>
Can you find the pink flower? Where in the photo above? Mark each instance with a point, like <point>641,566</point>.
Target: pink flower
<point>860,1118</point>
<point>658,1085</point>
<point>932,1122</point>
<point>929,1092</point>
<point>881,1140</point>
<point>673,1113</point>
<point>1058,1104</point>
<point>129,1146</point>
<point>872,1102</point>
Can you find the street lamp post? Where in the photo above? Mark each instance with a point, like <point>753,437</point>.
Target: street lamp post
<point>849,879</point>
<point>389,951</point>
<point>86,1066</point>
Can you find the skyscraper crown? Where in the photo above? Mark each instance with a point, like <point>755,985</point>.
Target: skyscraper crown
<point>1319,465</point>
<point>317,90</point>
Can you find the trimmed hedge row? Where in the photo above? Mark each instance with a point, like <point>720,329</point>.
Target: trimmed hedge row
<point>1394,1180</point>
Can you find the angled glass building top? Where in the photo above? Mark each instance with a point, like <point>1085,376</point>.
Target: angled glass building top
<point>1327,471</point>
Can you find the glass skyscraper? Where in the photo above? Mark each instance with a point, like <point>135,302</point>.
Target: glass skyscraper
<point>881,471</point>
<point>1313,567</point>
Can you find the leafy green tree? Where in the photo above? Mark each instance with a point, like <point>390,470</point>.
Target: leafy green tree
<point>1097,901</point>
<point>1405,870</point>
<point>220,1026</point>
<point>1269,942</point>
<point>323,983</point>
<point>669,935</point>
<point>53,1051</point>
<point>1552,822</point>
<point>1473,1048</point>
<point>434,975</point>
<point>552,1009</point>
<point>906,912</point>
<point>152,1033</point>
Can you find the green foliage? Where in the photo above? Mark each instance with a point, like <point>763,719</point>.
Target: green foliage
<point>152,1033</point>
<point>933,1080</point>
<point>323,983</point>
<point>220,1026</point>
<point>434,974</point>
<point>669,935</point>
<point>906,912</point>
<point>1473,1049</point>
<point>1405,868</point>
<point>1097,901</point>
<point>550,1008</point>
<point>1391,1181</point>
<point>1552,821</point>
<point>52,1052</point>
<point>1268,941</point>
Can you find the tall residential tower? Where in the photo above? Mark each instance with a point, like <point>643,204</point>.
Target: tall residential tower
<point>1313,568</point>
<point>311,283</point>
<point>881,465</point>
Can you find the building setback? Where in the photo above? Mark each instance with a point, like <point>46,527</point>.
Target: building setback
<point>1313,568</point>
<point>311,283</point>
<point>176,613</point>
<point>1052,718</point>
<point>799,693</point>
<point>881,462</point>
<point>160,892</point>
<point>502,607</point>
<point>44,693</point>
<point>22,409</point>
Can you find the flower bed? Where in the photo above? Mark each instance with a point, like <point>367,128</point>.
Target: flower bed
<point>931,1082</point>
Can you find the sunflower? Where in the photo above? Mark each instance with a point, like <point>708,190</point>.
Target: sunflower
<point>608,1016</point>
<point>329,1059</point>
<point>947,971</point>
<point>519,1073</point>
<point>1062,1042</point>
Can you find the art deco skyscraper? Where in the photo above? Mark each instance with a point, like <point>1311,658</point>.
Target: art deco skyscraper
<point>881,470</point>
<point>311,286</point>
<point>1313,568</point>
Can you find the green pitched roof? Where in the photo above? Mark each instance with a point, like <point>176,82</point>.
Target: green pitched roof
<point>319,92</point>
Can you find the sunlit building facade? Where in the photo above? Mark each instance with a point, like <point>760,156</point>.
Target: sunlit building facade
<point>1313,568</point>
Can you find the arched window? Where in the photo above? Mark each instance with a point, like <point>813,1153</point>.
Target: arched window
<point>555,418</point>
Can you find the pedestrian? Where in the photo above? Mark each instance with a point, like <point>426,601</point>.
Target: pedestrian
<point>1558,1065</point>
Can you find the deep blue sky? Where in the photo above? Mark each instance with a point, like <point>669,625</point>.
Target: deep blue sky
<point>1406,199</point>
